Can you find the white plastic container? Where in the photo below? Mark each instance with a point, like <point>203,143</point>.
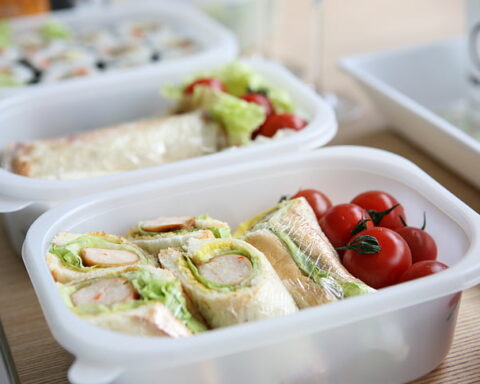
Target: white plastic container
<point>392,336</point>
<point>217,43</point>
<point>87,105</point>
<point>410,85</point>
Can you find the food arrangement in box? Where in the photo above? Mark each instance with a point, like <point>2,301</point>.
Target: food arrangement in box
<point>214,111</point>
<point>177,276</point>
<point>54,51</point>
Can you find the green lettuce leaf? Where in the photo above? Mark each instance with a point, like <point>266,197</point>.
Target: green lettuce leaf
<point>239,117</point>
<point>55,30</point>
<point>168,292</point>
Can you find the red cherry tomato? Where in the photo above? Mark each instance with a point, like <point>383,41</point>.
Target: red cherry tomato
<point>317,200</point>
<point>384,267</point>
<point>421,244</point>
<point>421,269</point>
<point>340,220</point>
<point>381,201</point>
<point>261,100</point>
<point>207,82</point>
<point>275,122</point>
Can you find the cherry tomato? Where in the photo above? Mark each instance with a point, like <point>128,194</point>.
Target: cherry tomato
<point>421,269</point>
<point>207,82</point>
<point>340,220</point>
<point>384,267</point>
<point>261,100</point>
<point>421,244</point>
<point>275,122</point>
<point>380,201</point>
<point>317,200</point>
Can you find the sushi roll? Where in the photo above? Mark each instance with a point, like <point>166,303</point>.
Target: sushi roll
<point>60,72</point>
<point>9,55</point>
<point>125,54</point>
<point>229,281</point>
<point>61,55</point>
<point>165,232</point>
<point>169,44</point>
<point>143,301</point>
<point>98,39</point>
<point>15,74</point>
<point>138,29</point>
<point>80,256</point>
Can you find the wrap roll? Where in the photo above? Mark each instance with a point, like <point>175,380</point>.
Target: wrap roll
<point>229,281</point>
<point>118,148</point>
<point>77,257</point>
<point>174,232</point>
<point>144,301</point>
<point>306,262</point>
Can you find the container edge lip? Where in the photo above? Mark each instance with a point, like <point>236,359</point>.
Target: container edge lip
<point>452,281</point>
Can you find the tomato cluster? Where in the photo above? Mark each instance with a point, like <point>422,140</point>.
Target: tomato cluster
<point>372,238</point>
<point>273,122</point>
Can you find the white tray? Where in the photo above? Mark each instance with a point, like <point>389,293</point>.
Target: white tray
<point>410,85</point>
<point>85,105</point>
<point>217,43</point>
<point>392,336</point>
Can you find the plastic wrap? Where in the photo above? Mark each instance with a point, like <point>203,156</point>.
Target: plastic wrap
<point>306,262</point>
<point>142,301</point>
<point>67,262</point>
<point>229,281</point>
<point>165,232</point>
<point>123,147</point>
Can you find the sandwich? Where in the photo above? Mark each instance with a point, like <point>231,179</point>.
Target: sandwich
<point>118,148</point>
<point>229,281</point>
<point>308,265</point>
<point>82,256</point>
<point>175,231</point>
<point>143,301</point>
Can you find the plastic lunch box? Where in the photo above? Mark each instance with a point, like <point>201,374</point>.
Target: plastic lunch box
<point>61,110</point>
<point>216,41</point>
<point>392,336</point>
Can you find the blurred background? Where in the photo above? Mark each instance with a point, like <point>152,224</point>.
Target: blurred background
<point>310,36</point>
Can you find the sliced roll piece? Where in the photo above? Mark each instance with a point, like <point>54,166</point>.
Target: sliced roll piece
<point>76,257</point>
<point>123,147</point>
<point>175,231</point>
<point>229,281</point>
<point>144,301</point>
<point>291,239</point>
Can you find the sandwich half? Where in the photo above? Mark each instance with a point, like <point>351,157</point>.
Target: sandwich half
<point>175,231</point>
<point>229,281</point>
<point>76,257</point>
<point>144,301</point>
<point>123,147</point>
<point>291,239</point>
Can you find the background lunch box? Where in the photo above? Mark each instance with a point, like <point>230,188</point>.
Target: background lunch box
<point>217,44</point>
<point>394,335</point>
<point>80,106</point>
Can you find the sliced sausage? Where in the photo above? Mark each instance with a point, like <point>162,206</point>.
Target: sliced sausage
<point>165,224</point>
<point>105,291</point>
<point>229,269</point>
<point>107,257</point>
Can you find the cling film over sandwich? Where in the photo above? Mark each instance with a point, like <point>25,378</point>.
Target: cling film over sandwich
<point>308,265</point>
<point>231,106</point>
